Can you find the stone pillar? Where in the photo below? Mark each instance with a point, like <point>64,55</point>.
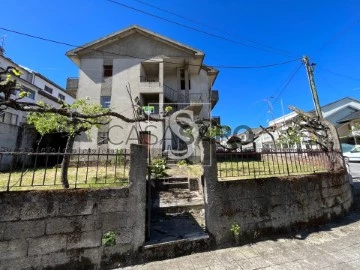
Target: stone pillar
<point>208,157</point>
<point>137,179</point>
<point>161,73</point>
<point>161,104</point>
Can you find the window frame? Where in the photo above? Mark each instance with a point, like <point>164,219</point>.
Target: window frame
<point>107,71</point>
<point>105,104</point>
<point>48,89</point>
<point>61,97</point>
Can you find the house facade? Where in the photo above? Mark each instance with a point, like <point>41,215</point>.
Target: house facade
<point>135,66</point>
<point>13,132</point>
<point>335,112</point>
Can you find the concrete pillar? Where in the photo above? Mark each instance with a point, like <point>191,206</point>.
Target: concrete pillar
<point>137,179</point>
<point>187,85</point>
<point>161,73</point>
<point>161,104</point>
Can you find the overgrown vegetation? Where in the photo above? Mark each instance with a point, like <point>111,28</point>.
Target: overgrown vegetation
<point>158,167</point>
<point>182,162</point>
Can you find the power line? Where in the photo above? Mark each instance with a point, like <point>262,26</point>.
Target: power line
<point>338,74</point>
<point>211,27</point>
<point>149,59</point>
<point>339,33</point>
<point>292,76</point>
<point>187,26</point>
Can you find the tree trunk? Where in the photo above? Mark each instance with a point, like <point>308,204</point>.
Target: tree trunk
<point>65,162</point>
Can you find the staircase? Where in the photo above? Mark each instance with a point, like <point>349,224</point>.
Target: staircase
<point>177,216</point>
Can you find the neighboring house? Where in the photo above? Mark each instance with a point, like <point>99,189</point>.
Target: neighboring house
<point>137,64</point>
<point>349,132</point>
<point>13,133</point>
<point>334,112</point>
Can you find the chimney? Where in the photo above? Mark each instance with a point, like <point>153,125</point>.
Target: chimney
<point>2,50</point>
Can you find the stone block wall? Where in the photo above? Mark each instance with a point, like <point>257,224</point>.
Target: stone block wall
<point>63,229</point>
<point>267,206</point>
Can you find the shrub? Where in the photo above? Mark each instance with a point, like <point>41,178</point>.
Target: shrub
<point>182,162</point>
<point>158,167</point>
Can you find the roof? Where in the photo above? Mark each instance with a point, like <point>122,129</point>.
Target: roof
<point>293,114</point>
<point>336,101</point>
<point>128,31</point>
<point>353,116</point>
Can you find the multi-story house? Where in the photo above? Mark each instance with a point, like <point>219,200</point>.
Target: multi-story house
<point>13,134</point>
<point>135,65</point>
<point>335,112</point>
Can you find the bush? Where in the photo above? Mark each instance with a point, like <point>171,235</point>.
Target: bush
<point>158,167</point>
<point>182,162</point>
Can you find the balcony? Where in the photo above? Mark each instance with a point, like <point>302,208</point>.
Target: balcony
<point>214,98</point>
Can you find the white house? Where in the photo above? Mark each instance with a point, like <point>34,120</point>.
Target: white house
<point>40,88</point>
<point>334,112</point>
<point>157,72</point>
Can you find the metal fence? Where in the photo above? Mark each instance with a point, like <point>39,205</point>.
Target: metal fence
<point>27,169</point>
<point>269,163</point>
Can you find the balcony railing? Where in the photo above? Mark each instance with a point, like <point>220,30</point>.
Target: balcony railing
<point>146,79</point>
<point>170,93</point>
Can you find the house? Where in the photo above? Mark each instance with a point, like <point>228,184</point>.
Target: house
<point>135,65</point>
<point>336,112</point>
<point>349,132</point>
<point>13,133</point>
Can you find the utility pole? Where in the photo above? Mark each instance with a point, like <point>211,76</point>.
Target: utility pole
<point>310,73</point>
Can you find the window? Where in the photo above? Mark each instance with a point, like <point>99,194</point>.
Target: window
<point>105,101</point>
<point>48,89</point>
<point>31,93</point>
<point>103,138</point>
<point>182,79</point>
<point>108,71</point>
<point>61,96</point>
<point>8,118</point>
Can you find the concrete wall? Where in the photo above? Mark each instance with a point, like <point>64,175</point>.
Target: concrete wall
<point>62,229</point>
<point>263,206</point>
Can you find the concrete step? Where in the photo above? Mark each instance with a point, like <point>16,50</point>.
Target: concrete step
<point>177,248</point>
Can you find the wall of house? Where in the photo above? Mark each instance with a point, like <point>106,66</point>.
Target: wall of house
<point>126,75</point>
<point>263,206</point>
<point>63,229</point>
<point>40,82</point>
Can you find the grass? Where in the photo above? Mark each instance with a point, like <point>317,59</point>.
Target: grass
<point>228,170</point>
<point>190,171</point>
<point>82,177</point>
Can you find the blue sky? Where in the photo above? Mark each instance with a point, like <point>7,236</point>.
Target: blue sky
<point>297,28</point>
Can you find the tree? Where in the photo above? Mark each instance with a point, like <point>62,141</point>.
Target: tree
<point>48,122</point>
<point>73,119</point>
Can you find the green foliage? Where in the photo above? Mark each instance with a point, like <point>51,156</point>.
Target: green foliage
<point>291,137</point>
<point>54,122</point>
<point>109,239</point>
<point>120,157</point>
<point>182,162</point>
<point>158,167</point>
<point>235,229</point>
<point>218,131</point>
<point>168,109</point>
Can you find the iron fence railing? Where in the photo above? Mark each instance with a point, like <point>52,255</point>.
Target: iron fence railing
<point>251,164</point>
<point>27,169</point>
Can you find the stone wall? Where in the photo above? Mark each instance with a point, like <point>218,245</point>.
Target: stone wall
<point>63,229</point>
<point>271,205</point>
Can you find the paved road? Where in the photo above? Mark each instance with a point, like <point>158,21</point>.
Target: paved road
<point>334,246</point>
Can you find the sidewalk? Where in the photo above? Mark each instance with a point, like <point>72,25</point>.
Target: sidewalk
<point>335,246</point>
